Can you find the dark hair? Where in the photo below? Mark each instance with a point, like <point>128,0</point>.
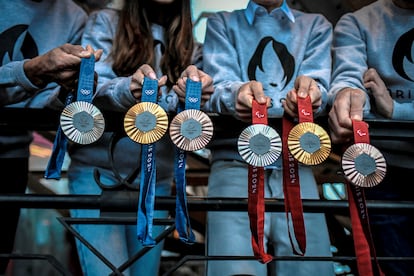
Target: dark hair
<point>286,59</point>
<point>134,45</point>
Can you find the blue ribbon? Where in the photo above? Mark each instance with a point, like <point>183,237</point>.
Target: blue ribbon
<point>84,93</point>
<point>146,202</point>
<point>182,218</point>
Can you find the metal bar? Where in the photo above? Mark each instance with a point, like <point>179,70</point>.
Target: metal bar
<point>188,258</point>
<point>195,203</point>
<point>49,258</point>
<point>48,119</point>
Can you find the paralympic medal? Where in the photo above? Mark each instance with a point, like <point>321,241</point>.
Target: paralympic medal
<point>82,122</point>
<point>191,130</point>
<point>259,145</point>
<point>146,122</point>
<point>364,165</point>
<point>309,143</point>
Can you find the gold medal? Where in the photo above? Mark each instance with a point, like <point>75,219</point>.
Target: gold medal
<point>364,165</point>
<point>146,122</point>
<point>259,145</point>
<point>309,143</point>
<point>82,122</point>
<point>191,130</point>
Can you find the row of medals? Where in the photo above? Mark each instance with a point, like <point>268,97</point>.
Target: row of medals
<point>259,145</point>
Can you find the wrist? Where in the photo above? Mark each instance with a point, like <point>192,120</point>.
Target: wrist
<point>34,72</point>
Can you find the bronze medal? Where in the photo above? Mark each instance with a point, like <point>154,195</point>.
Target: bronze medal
<point>82,122</point>
<point>146,122</point>
<point>191,130</point>
<point>364,165</point>
<point>259,145</point>
<point>309,143</point>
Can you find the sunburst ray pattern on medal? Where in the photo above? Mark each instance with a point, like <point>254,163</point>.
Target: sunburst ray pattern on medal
<point>73,132</point>
<point>300,154</point>
<point>183,142</point>
<point>146,137</point>
<point>252,158</point>
<point>352,173</point>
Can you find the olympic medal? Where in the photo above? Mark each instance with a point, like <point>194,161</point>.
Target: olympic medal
<point>191,130</point>
<point>146,122</point>
<point>82,122</point>
<point>309,143</point>
<point>259,145</point>
<point>364,165</point>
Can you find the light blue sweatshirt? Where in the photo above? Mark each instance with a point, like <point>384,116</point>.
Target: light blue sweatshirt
<point>379,36</point>
<point>275,48</point>
<point>27,29</point>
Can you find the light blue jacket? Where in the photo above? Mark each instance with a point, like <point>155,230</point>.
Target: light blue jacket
<point>379,36</point>
<point>27,29</point>
<point>113,94</point>
<point>275,48</point>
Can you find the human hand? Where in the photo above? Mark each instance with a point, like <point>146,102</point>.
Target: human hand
<point>137,80</point>
<point>304,86</point>
<point>247,92</point>
<point>60,65</point>
<point>348,106</point>
<point>383,101</point>
<point>194,74</point>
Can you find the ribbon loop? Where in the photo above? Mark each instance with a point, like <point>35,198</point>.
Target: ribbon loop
<point>145,215</point>
<point>255,204</point>
<point>76,125</point>
<point>363,243</point>
<point>183,131</point>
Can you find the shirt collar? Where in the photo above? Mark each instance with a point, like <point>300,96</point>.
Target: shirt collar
<point>252,7</point>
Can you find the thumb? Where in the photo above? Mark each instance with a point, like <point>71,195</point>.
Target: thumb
<point>357,105</point>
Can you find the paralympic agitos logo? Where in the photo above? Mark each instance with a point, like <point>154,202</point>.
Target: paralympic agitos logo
<point>403,55</point>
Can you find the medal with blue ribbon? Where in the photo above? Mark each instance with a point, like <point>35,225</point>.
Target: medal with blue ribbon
<point>190,130</point>
<point>80,121</point>
<point>145,123</point>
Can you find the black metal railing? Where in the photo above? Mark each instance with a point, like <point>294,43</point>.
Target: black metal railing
<point>123,202</point>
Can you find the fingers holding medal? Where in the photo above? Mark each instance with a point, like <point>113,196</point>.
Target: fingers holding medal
<point>191,129</point>
<point>259,144</point>
<point>363,164</point>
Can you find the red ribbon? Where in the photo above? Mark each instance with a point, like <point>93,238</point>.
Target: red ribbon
<point>291,183</point>
<point>256,206</point>
<point>364,246</point>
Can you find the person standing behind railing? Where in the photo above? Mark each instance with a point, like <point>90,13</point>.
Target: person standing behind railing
<point>273,54</point>
<point>39,64</point>
<point>146,38</point>
<point>373,77</point>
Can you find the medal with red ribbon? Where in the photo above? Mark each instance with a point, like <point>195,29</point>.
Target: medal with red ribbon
<point>291,190</point>
<point>363,166</point>
<point>308,142</point>
<point>259,145</point>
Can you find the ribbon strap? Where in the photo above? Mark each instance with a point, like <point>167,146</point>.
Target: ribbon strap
<point>363,242</point>
<point>255,204</point>
<point>182,220</point>
<point>146,202</point>
<point>84,93</point>
<point>291,189</point>
<point>291,183</point>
